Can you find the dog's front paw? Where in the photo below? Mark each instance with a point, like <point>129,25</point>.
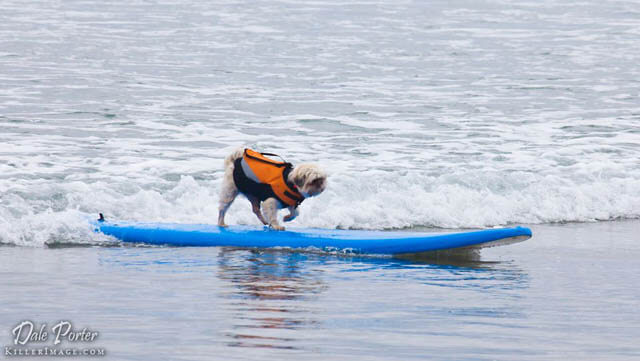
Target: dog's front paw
<point>277,227</point>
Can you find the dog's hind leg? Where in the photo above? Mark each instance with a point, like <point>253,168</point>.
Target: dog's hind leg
<point>227,195</point>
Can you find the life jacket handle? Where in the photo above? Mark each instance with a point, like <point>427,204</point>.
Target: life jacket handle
<point>275,155</point>
<point>286,164</point>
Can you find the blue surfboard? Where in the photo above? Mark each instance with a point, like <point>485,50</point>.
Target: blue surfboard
<point>357,241</point>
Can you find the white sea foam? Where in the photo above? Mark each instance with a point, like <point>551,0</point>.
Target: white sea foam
<point>372,200</point>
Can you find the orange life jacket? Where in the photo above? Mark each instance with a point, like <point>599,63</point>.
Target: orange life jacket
<point>262,177</point>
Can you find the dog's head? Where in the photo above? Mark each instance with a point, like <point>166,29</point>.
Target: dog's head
<point>309,179</point>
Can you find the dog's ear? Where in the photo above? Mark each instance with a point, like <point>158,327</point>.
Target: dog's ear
<point>298,179</point>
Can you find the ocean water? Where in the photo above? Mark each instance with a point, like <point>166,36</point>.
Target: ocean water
<point>569,293</point>
<point>425,114</point>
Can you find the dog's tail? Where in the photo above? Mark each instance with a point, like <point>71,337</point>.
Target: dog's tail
<point>231,158</point>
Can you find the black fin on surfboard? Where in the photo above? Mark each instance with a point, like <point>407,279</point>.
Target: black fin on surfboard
<point>101,219</point>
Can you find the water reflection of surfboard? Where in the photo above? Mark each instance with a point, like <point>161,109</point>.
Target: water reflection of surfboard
<point>357,241</point>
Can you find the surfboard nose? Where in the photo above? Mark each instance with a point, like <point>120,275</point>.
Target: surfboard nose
<point>525,231</point>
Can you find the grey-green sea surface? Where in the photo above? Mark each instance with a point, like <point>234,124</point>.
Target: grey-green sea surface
<point>568,293</point>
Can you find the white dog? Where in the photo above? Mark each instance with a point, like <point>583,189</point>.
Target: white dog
<point>276,184</point>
